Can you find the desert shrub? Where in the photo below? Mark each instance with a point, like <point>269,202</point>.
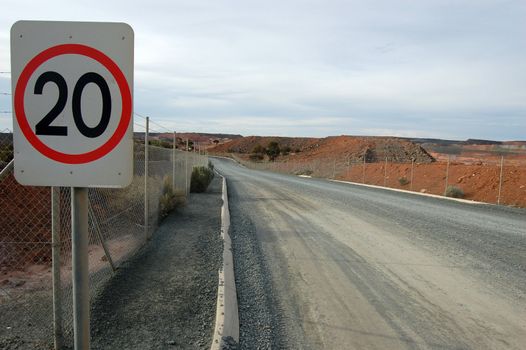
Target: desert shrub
<point>273,150</point>
<point>6,153</point>
<point>285,151</point>
<point>307,172</point>
<point>259,149</point>
<point>201,178</point>
<point>256,157</point>
<point>403,181</point>
<point>167,199</point>
<point>170,199</point>
<point>297,150</point>
<point>455,192</point>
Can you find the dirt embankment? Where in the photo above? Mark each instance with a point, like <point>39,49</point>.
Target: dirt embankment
<point>340,147</point>
<point>475,169</point>
<point>478,182</point>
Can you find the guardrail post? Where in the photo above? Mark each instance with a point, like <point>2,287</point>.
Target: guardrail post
<point>146,160</point>
<point>500,178</point>
<point>55,252</point>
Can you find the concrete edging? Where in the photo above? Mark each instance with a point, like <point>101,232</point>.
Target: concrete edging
<point>226,329</point>
<point>468,201</point>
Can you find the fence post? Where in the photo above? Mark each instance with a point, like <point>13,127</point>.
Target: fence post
<point>186,168</point>
<point>447,174</point>
<point>334,168</point>
<point>55,252</point>
<point>385,172</point>
<point>173,165</point>
<point>363,178</point>
<point>412,171</point>
<point>349,169</point>
<point>146,160</point>
<point>500,178</point>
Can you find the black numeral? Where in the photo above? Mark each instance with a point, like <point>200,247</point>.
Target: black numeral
<point>44,126</point>
<point>106,105</point>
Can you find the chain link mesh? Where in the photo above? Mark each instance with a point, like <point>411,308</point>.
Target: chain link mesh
<point>479,177</point>
<point>116,231</point>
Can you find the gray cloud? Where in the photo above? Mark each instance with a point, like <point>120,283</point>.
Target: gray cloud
<point>452,69</point>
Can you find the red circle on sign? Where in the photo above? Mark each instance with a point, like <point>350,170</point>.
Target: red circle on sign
<point>112,67</point>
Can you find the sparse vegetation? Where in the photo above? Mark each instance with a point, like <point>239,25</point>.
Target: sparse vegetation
<point>403,181</point>
<point>258,153</point>
<point>201,178</point>
<point>454,192</point>
<point>160,143</point>
<point>273,150</point>
<point>286,150</point>
<point>167,199</point>
<point>307,172</point>
<point>6,153</point>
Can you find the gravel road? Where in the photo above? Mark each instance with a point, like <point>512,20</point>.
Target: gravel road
<point>165,297</point>
<point>322,265</point>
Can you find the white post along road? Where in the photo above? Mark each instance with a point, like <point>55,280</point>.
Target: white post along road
<point>323,265</point>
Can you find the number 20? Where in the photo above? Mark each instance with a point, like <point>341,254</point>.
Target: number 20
<point>44,127</point>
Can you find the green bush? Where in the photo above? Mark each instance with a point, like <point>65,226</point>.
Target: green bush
<point>454,192</point>
<point>273,150</point>
<point>403,181</point>
<point>201,178</point>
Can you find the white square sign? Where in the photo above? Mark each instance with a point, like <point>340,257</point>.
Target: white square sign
<point>72,85</point>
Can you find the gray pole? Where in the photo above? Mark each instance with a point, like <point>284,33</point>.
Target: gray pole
<point>500,178</point>
<point>412,171</point>
<point>79,252</point>
<point>349,169</point>
<point>334,168</point>
<point>55,247</point>
<point>146,160</point>
<point>447,175</point>
<point>186,168</point>
<point>385,172</point>
<point>173,165</point>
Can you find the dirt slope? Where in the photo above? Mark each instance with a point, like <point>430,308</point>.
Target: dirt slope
<point>344,147</point>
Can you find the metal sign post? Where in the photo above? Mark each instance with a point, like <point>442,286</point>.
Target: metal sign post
<point>79,252</point>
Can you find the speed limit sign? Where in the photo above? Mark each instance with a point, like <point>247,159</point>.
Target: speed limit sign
<point>72,86</point>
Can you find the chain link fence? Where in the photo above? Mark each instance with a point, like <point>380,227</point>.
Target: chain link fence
<point>116,231</point>
<point>497,180</point>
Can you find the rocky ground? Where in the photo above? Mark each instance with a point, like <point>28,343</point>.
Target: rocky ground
<point>165,297</point>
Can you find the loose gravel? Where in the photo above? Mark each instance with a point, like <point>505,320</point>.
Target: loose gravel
<point>165,297</point>
<point>260,322</point>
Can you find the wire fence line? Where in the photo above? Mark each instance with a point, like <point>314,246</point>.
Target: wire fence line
<point>32,234</point>
<point>498,180</point>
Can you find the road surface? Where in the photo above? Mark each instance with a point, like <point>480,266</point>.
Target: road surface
<point>323,265</point>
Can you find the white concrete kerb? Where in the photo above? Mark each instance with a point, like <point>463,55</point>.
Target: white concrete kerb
<point>413,192</point>
<point>227,318</point>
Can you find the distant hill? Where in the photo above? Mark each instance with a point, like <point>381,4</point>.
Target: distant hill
<point>352,148</point>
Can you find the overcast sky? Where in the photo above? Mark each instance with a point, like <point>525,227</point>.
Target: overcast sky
<point>422,68</point>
